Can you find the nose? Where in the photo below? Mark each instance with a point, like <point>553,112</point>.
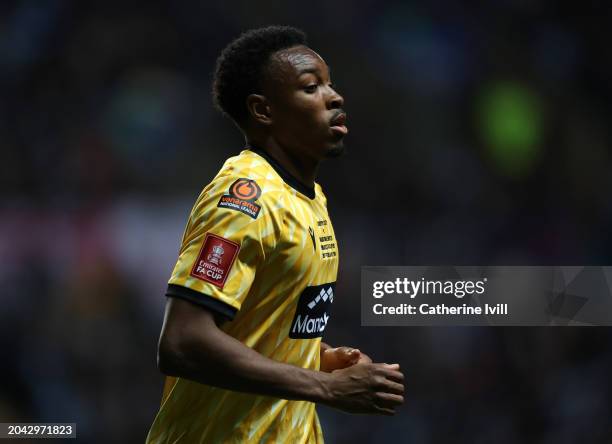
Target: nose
<point>335,100</point>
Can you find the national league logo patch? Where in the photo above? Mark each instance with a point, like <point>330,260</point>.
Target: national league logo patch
<point>215,260</point>
<point>242,196</point>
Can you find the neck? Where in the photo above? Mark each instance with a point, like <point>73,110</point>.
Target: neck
<point>303,168</point>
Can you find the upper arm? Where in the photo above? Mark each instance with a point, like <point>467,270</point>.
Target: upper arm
<point>185,323</point>
<point>221,251</point>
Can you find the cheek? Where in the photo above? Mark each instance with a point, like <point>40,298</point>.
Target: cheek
<point>301,120</point>
<point>304,110</point>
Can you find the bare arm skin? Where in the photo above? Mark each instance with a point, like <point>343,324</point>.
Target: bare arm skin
<point>192,346</point>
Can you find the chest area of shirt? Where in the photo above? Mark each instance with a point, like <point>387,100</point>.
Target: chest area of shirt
<point>309,235</point>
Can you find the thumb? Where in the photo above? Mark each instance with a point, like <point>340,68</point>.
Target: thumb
<point>349,354</point>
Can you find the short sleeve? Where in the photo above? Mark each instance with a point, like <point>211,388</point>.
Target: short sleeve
<point>222,246</point>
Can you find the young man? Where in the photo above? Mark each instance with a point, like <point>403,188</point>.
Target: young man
<point>251,292</point>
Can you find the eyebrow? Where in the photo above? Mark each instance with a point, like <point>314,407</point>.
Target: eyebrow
<point>308,71</point>
<point>313,71</point>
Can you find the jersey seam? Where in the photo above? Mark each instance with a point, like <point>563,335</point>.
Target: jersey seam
<point>202,299</point>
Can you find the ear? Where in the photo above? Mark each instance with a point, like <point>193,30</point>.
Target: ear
<point>259,109</point>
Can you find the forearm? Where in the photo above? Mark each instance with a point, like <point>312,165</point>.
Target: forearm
<point>192,346</point>
<point>212,357</point>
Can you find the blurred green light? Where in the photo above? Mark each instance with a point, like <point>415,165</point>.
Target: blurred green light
<point>510,120</point>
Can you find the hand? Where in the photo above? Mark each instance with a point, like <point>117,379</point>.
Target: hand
<point>366,388</point>
<point>341,357</point>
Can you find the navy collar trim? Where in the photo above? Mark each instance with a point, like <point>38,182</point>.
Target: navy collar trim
<point>283,173</point>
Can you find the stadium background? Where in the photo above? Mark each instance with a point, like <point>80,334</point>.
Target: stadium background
<point>480,134</point>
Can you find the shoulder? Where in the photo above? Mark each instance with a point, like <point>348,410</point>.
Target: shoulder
<point>245,184</point>
<point>250,172</point>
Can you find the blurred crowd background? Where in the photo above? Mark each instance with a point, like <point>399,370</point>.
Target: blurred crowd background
<point>480,135</point>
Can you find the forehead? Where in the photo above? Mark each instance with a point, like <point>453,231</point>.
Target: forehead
<point>288,64</point>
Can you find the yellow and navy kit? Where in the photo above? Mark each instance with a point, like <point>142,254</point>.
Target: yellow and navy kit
<point>259,249</point>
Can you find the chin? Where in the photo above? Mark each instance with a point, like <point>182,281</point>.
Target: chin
<point>336,150</point>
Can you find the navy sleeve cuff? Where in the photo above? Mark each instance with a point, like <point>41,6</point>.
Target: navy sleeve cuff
<point>204,300</point>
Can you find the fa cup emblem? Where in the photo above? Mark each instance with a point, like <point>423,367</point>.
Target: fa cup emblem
<point>215,256</point>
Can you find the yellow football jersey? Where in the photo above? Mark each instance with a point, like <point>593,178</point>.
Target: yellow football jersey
<point>259,249</point>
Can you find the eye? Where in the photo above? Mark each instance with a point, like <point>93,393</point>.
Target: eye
<point>311,88</point>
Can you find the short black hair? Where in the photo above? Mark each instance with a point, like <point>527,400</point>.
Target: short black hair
<point>240,66</point>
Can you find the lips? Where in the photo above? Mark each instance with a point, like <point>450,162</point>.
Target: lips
<point>338,124</point>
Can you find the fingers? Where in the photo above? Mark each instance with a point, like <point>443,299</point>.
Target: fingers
<point>394,387</point>
<point>370,388</point>
<point>333,359</point>
<point>391,366</point>
<point>395,376</point>
<point>392,380</point>
<point>348,354</point>
<point>387,402</point>
<point>388,385</point>
<point>363,358</point>
<point>346,350</point>
<point>384,411</point>
<point>392,372</point>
